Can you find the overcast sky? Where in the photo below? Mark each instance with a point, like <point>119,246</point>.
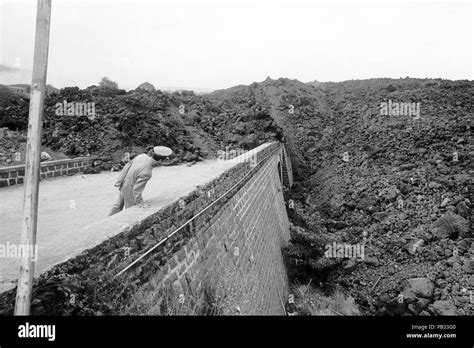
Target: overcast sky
<point>219,44</point>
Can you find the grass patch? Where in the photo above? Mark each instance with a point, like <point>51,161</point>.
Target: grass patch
<point>309,301</point>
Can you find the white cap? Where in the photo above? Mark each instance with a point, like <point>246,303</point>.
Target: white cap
<point>162,151</point>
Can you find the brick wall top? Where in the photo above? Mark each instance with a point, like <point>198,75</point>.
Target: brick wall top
<point>288,170</point>
<point>47,163</point>
<point>134,220</point>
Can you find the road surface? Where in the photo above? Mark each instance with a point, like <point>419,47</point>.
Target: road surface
<point>80,203</point>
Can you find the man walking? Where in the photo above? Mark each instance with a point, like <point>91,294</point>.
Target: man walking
<point>134,176</point>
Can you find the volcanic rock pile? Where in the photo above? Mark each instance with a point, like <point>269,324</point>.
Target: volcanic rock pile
<point>397,183</point>
<point>402,181</point>
<point>109,123</point>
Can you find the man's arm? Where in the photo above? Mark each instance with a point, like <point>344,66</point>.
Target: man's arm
<point>123,174</point>
<point>140,186</point>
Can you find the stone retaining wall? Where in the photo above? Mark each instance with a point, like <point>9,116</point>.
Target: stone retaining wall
<point>15,174</point>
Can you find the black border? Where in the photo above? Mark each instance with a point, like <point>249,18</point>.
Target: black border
<point>259,330</point>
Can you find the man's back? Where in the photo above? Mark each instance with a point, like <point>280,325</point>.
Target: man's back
<point>134,177</point>
<point>141,167</point>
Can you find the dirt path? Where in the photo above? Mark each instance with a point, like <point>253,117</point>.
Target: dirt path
<point>67,204</point>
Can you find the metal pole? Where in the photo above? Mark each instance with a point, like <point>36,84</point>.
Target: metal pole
<point>33,152</point>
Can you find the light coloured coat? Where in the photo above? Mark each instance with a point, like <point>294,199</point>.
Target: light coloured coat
<point>132,181</point>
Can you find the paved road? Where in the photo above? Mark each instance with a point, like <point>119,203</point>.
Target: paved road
<point>68,205</point>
